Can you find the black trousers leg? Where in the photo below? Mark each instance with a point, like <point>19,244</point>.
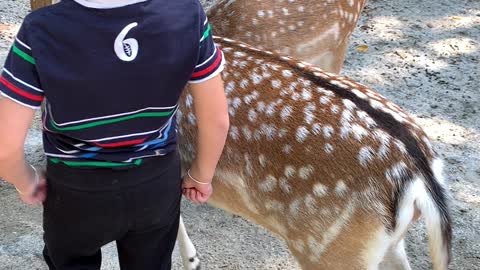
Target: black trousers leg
<point>89,208</point>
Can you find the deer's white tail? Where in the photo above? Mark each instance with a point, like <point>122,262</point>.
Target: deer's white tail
<point>429,198</point>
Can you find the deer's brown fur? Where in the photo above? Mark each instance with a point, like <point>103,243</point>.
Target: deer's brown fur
<point>311,30</point>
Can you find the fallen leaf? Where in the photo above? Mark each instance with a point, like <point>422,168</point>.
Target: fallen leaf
<point>401,54</point>
<point>362,48</point>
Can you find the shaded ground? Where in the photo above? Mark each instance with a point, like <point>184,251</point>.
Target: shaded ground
<point>424,55</point>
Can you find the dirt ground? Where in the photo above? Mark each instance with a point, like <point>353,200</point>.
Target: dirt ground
<point>423,55</point>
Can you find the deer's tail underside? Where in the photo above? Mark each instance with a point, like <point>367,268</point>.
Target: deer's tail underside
<point>428,196</point>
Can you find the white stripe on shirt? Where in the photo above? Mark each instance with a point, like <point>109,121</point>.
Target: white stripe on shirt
<point>23,43</point>
<point>22,82</point>
<point>19,102</point>
<point>109,116</point>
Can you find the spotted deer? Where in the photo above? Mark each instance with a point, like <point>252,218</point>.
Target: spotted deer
<point>316,31</point>
<point>327,164</point>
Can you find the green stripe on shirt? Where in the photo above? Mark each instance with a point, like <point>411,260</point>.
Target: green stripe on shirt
<point>94,163</point>
<point>23,55</point>
<point>111,121</point>
<point>206,33</point>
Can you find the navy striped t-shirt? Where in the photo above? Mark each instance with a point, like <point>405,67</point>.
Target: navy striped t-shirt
<point>111,77</point>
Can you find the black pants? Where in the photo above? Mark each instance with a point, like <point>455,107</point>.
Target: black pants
<point>138,208</point>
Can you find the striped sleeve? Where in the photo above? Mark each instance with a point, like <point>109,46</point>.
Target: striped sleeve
<point>211,60</point>
<point>19,79</point>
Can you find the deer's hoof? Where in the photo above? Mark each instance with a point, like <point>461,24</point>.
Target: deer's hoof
<point>193,263</point>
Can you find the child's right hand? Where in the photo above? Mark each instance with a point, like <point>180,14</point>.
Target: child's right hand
<point>195,192</point>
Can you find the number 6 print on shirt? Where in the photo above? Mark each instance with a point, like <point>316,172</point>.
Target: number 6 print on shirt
<point>127,49</point>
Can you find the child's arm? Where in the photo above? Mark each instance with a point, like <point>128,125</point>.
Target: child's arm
<point>21,96</point>
<point>211,111</point>
<point>15,120</point>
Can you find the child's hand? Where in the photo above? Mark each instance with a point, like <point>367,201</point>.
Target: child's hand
<point>195,192</point>
<point>36,192</point>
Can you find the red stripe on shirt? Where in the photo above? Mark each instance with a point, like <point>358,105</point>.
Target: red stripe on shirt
<point>119,144</point>
<point>20,91</point>
<point>210,68</point>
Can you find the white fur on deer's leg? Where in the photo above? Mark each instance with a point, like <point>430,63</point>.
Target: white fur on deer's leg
<point>396,258</point>
<point>187,249</point>
<point>376,249</point>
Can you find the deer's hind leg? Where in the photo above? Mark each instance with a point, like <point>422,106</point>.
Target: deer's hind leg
<point>396,258</point>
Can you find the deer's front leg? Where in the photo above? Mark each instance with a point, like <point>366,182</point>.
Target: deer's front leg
<point>187,249</point>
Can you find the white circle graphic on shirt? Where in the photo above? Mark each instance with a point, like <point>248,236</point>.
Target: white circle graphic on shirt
<point>126,49</point>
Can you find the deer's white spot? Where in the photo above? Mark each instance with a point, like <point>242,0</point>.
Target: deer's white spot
<point>401,147</point>
<point>349,105</point>
<point>320,190</point>
<point>338,83</point>
<point>289,171</point>
<point>261,106</point>
<point>365,155</point>
<point>270,110</point>
<point>234,134</point>
<point>345,130</point>
<point>360,94</point>
<point>376,104</point>
<point>252,115</point>
<point>327,131</point>
<point>359,132</point>
<point>295,207</point>
<point>305,172</point>
<point>230,87</point>
<point>244,83</point>
<point>261,13</point>
<point>302,134</point>
<point>324,100</point>
<point>341,188</point>
<point>308,113</point>
<point>347,116</point>
<point>287,149</point>
<point>247,133</point>
<point>191,118</point>
<point>256,78</point>
<point>306,94</point>
<point>334,109</point>
<point>274,205</point>
<point>287,73</point>
<point>269,184</point>
<point>189,101</point>
<point>262,160</point>
<point>396,172</point>
<point>268,131</point>
<point>328,148</point>
<point>284,185</point>
<point>236,102</point>
<point>316,129</point>
<point>381,136</point>
<point>276,83</point>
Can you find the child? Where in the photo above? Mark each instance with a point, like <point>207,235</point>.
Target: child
<point>111,73</point>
